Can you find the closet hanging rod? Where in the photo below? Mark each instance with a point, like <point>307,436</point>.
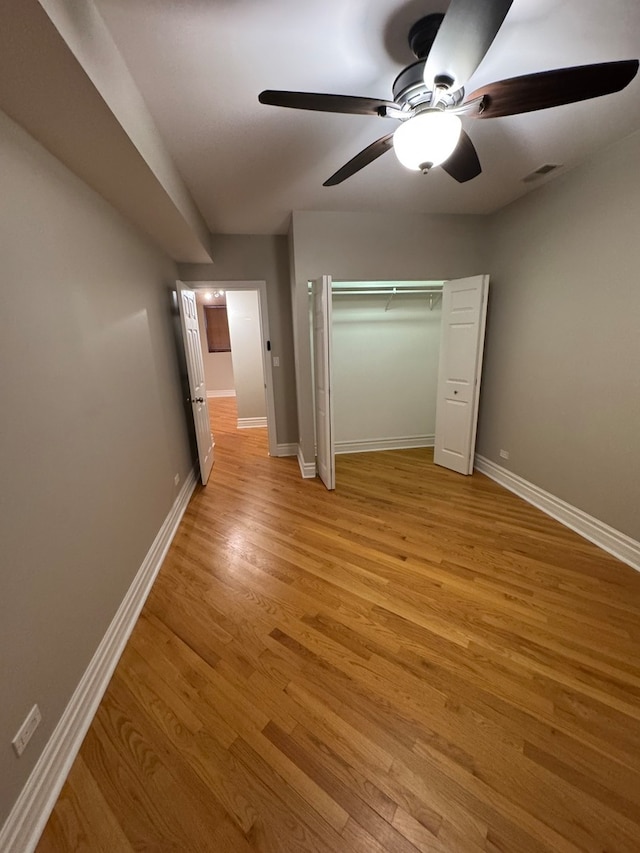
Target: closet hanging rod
<point>386,291</point>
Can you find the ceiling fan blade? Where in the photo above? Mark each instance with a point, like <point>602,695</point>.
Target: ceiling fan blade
<point>368,155</point>
<point>325,103</point>
<point>463,164</point>
<point>553,88</point>
<point>465,35</point>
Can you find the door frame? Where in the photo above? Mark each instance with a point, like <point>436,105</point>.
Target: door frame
<point>261,288</point>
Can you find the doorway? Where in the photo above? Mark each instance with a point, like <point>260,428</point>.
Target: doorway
<point>247,367</point>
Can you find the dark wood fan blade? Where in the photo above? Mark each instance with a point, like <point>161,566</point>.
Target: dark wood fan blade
<point>463,165</point>
<point>371,153</point>
<point>325,103</point>
<point>465,35</point>
<point>553,88</point>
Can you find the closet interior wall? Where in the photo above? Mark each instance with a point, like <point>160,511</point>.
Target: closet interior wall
<point>385,365</point>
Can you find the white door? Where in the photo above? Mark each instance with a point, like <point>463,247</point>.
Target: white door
<point>197,385</point>
<point>325,449</point>
<point>464,311</point>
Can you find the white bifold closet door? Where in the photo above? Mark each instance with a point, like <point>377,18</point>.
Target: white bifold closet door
<point>325,441</point>
<point>464,311</point>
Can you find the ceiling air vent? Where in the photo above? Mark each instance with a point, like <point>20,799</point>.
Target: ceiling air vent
<point>541,172</point>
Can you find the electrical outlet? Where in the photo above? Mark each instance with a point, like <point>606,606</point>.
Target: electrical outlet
<point>176,479</point>
<point>26,730</point>
<point>504,454</point>
<point>276,361</point>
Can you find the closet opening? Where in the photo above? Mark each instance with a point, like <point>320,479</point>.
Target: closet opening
<point>386,344</point>
<point>397,365</point>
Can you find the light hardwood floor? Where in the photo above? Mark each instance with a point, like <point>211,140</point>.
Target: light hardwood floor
<point>418,661</point>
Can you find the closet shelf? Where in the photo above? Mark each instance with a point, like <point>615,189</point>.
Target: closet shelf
<point>406,291</point>
<point>434,293</point>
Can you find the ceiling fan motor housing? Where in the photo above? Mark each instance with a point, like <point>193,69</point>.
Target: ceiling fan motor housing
<point>410,91</point>
<point>423,33</point>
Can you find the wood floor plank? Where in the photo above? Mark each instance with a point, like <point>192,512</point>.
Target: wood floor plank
<point>286,804</point>
<point>154,742</point>
<point>342,770</point>
<point>81,808</point>
<point>418,661</point>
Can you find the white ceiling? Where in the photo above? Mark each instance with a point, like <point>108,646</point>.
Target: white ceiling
<point>200,65</point>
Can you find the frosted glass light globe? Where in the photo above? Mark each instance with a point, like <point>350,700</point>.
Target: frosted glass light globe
<point>427,139</point>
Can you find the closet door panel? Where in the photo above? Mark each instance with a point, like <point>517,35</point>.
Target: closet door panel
<point>464,309</point>
<point>325,449</point>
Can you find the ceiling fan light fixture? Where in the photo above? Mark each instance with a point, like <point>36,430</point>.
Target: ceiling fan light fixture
<point>427,139</point>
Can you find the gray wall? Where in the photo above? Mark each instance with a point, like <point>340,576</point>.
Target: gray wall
<point>239,257</point>
<point>92,430</point>
<point>374,246</point>
<point>561,379</point>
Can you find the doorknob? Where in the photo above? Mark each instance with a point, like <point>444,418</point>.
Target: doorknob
<point>198,400</point>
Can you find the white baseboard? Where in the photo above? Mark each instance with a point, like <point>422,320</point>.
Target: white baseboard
<point>608,538</point>
<point>26,822</point>
<point>251,423</point>
<point>307,469</point>
<point>287,450</point>
<point>371,444</point>
<point>230,393</point>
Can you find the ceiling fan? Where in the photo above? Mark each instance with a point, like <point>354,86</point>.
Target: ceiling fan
<point>429,95</point>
